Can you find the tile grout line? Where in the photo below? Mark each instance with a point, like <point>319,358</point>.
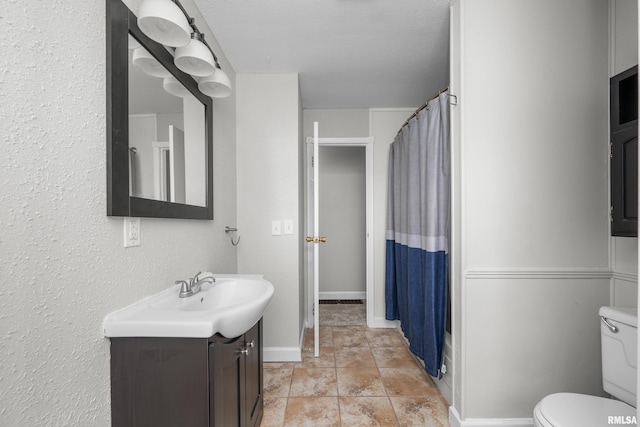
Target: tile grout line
<point>369,345</point>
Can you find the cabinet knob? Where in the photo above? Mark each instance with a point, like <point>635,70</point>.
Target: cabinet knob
<point>247,346</point>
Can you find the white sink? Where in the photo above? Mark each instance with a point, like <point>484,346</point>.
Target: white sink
<point>230,307</point>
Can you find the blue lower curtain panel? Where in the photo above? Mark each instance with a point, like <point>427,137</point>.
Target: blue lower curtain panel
<point>417,237</point>
<point>416,297</point>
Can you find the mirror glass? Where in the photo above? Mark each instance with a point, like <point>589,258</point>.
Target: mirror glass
<point>159,128</point>
<point>166,134</point>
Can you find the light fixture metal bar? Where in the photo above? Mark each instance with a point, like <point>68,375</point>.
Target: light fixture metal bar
<point>195,28</point>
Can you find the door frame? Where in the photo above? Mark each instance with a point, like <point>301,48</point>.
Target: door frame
<point>367,143</point>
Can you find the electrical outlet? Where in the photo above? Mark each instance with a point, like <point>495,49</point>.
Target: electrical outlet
<point>131,232</point>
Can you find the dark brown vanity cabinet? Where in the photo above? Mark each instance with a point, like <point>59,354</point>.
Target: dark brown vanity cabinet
<point>236,389</point>
<point>175,382</point>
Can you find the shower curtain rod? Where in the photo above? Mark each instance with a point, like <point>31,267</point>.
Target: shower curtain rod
<point>422,107</point>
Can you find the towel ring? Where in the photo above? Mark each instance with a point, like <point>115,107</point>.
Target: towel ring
<point>230,230</point>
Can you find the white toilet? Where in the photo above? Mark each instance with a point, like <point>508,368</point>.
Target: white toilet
<point>618,328</point>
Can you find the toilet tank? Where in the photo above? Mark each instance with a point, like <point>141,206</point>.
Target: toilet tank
<point>619,331</point>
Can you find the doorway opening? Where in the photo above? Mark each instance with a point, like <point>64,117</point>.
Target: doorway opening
<point>345,199</point>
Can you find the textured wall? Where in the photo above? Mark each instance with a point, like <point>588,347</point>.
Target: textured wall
<point>62,261</point>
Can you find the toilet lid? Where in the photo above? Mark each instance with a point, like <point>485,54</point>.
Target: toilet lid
<point>581,410</point>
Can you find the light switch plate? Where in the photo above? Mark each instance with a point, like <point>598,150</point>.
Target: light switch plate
<point>276,228</point>
<point>131,232</point>
<point>288,226</point>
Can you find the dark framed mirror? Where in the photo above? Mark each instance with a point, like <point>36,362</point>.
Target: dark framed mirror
<point>159,129</point>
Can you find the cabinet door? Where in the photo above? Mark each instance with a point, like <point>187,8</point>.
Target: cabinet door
<point>236,380</point>
<point>253,377</point>
<point>624,153</point>
<point>624,184</point>
<point>160,382</point>
<point>227,375</point>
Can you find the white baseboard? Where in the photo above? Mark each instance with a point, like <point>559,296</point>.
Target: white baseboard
<point>455,421</point>
<point>381,322</point>
<point>343,295</point>
<point>444,384</point>
<point>445,388</point>
<point>281,354</point>
<point>284,354</point>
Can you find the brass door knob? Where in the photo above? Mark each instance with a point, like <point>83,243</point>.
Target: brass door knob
<point>316,239</point>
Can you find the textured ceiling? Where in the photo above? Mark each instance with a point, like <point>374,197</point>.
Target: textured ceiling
<point>348,53</point>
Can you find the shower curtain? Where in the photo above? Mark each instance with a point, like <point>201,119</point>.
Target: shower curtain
<point>418,221</point>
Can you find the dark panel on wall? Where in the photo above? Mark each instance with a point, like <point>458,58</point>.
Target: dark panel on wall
<point>624,153</point>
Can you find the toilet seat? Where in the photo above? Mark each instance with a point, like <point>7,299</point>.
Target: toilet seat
<point>578,410</point>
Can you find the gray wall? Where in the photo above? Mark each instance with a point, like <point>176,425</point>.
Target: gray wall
<point>382,124</point>
<point>269,182</point>
<point>337,123</point>
<point>65,268</point>
<point>343,221</point>
<point>530,217</point>
<point>62,260</point>
<point>342,199</point>
<point>623,54</point>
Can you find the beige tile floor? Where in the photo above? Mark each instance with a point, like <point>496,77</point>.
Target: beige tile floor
<point>363,377</point>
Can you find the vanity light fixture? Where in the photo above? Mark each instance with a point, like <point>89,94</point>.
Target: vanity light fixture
<point>175,88</point>
<point>148,63</point>
<point>167,22</point>
<point>216,85</point>
<point>195,58</point>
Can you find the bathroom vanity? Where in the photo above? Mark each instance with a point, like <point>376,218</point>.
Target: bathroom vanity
<point>172,363</point>
<point>195,382</point>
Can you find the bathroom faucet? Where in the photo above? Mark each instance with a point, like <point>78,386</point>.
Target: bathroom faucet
<point>193,286</point>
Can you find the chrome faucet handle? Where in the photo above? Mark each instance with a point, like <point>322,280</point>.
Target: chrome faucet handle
<point>196,278</point>
<point>185,289</point>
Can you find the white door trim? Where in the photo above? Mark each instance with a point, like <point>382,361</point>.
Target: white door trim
<point>367,143</point>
